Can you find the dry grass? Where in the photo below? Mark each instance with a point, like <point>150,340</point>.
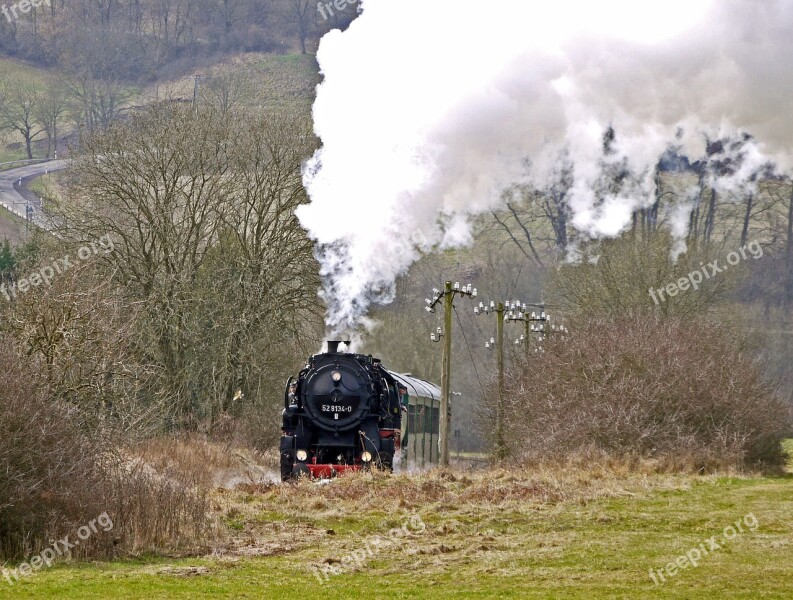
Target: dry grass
<point>262,517</point>
<point>451,491</point>
<point>254,515</point>
<point>584,530</point>
<point>210,464</point>
<point>468,516</point>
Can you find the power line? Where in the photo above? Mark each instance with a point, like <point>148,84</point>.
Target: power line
<point>471,354</point>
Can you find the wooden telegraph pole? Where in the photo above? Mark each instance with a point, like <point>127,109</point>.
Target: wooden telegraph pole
<point>446,374</point>
<point>500,449</point>
<point>447,297</point>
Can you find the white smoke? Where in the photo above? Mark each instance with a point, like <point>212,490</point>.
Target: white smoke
<point>429,109</point>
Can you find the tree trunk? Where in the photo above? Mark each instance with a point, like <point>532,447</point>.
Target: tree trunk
<point>789,253</point>
<point>28,146</point>
<point>746,219</point>
<point>710,218</point>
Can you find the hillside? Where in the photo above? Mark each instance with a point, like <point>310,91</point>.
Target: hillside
<point>256,79</point>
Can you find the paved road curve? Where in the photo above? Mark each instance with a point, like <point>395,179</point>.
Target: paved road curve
<point>10,197</point>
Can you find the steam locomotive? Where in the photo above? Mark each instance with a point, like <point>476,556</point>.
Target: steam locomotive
<point>342,413</point>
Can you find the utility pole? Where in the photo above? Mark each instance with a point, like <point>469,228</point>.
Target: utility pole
<point>444,426</point>
<point>447,297</point>
<point>498,342</point>
<point>196,79</point>
<point>501,446</point>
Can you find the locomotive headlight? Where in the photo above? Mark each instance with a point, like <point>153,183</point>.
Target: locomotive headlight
<point>336,376</point>
<point>302,455</point>
<point>366,457</point>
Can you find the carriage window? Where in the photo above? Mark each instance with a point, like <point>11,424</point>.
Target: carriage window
<point>423,419</point>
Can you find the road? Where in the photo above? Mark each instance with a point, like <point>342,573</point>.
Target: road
<point>10,196</point>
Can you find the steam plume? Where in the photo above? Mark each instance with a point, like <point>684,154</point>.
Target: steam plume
<point>429,109</point>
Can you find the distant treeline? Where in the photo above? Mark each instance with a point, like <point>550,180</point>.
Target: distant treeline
<point>132,40</point>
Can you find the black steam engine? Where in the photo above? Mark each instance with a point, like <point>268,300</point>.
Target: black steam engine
<point>341,413</point>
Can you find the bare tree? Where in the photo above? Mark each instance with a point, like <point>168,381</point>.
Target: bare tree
<point>19,101</point>
<point>537,220</point>
<point>79,328</point>
<point>263,275</point>
<point>301,14</point>
<point>96,102</point>
<point>201,208</point>
<point>228,91</point>
<point>154,185</point>
<point>614,278</point>
<point>230,12</point>
<point>51,111</point>
<point>171,20</point>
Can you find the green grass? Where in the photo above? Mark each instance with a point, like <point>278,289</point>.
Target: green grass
<point>788,446</point>
<point>12,67</point>
<point>581,548</point>
<point>42,186</point>
<point>283,81</point>
<point>8,155</point>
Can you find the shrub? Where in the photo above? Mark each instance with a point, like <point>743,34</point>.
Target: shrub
<point>683,392</point>
<point>48,462</point>
<point>60,471</point>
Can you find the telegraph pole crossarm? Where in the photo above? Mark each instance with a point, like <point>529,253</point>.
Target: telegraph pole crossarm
<point>446,296</point>
<point>534,323</point>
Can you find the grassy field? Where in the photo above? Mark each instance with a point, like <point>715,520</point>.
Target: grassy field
<point>12,227</point>
<point>574,533</point>
<point>271,81</point>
